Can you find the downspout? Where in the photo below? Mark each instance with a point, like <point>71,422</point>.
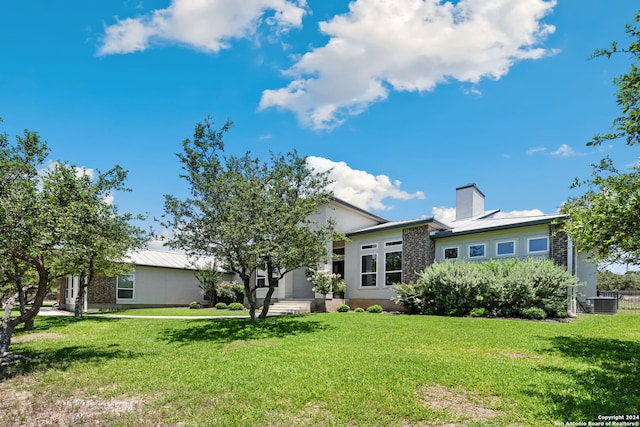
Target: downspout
<point>571,312</point>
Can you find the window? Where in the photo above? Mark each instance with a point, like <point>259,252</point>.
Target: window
<point>369,246</point>
<point>392,268</point>
<point>506,248</point>
<point>261,279</point>
<point>125,286</point>
<point>393,243</point>
<point>369,269</point>
<point>477,250</point>
<point>450,253</point>
<point>538,244</point>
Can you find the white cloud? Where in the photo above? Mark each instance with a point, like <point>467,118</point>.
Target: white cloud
<point>203,25</point>
<point>158,242</point>
<point>359,187</point>
<point>407,45</point>
<point>535,150</point>
<point>519,214</point>
<point>565,151</point>
<point>444,213</point>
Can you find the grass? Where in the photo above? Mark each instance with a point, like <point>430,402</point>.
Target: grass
<point>176,311</point>
<point>324,369</point>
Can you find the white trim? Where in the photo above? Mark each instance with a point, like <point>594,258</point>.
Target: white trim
<point>457,248</point>
<point>506,241</point>
<point>133,289</point>
<point>537,238</point>
<point>484,254</point>
<point>370,273</point>
<point>392,249</point>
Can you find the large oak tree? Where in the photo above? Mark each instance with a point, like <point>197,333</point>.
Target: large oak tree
<point>249,213</point>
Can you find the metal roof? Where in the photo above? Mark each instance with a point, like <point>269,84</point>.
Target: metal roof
<point>163,259</point>
<point>479,225</point>
<point>399,224</point>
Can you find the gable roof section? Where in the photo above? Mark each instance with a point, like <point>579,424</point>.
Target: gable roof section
<point>360,211</point>
<point>483,224</point>
<point>391,225</point>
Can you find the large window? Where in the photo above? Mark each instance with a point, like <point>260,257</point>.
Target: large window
<point>450,253</point>
<point>392,268</point>
<point>261,279</point>
<point>506,248</point>
<point>477,251</point>
<point>125,286</point>
<point>538,245</point>
<point>369,269</point>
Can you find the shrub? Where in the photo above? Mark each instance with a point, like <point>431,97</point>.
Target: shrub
<point>229,292</point>
<point>221,306</point>
<point>408,297</point>
<point>235,306</point>
<point>374,309</point>
<point>478,312</point>
<point>533,313</point>
<point>343,308</point>
<point>194,305</point>
<point>502,288</point>
<point>359,310</point>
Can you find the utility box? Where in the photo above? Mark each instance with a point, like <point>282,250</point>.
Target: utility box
<point>604,305</point>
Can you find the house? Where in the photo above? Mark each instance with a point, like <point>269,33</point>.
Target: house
<point>376,254</point>
<point>380,253</point>
<point>157,279</point>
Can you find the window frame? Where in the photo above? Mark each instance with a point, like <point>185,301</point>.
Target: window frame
<point>444,253</point>
<point>484,251</point>
<point>132,289</point>
<point>368,246</point>
<point>498,254</point>
<point>387,272</point>
<point>373,273</point>
<point>544,251</point>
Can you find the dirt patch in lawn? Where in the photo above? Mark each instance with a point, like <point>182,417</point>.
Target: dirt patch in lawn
<point>24,408</point>
<point>461,404</point>
<point>35,336</point>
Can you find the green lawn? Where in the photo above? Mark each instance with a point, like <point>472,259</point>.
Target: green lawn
<point>342,369</point>
<point>176,311</point>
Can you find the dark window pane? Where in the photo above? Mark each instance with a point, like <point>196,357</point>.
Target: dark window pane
<point>369,263</point>
<point>451,253</point>
<point>476,251</point>
<point>125,293</point>
<point>393,261</point>
<point>538,245</point>
<point>506,248</point>
<point>393,278</point>
<point>368,280</point>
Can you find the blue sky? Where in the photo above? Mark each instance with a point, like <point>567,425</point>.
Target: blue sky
<point>406,99</point>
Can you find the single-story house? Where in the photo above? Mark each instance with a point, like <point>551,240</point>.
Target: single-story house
<point>380,253</point>
<point>157,279</point>
<point>377,254</point>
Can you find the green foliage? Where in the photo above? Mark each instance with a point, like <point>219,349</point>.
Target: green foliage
<point>344,308</point>
<point>604,220</point>
<point>501,288</point>
<point>359,310</point>
<point>235,306</point>
<point>609,281</point>
<point>194,305</point>
<point>273,200</point>
<point>408,297</point>
<point>374,309</point>
<point>535,313</point>
<point>478,312</point>
<point>221,306</point>
<point>229,292</point>
<point>209,277</point>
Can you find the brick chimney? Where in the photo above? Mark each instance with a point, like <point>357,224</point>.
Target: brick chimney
<point>469,202</point>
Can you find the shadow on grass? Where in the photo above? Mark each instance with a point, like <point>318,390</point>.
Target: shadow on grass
<point>608,385</point>
<point>59,358</point>
<point>229,330</point>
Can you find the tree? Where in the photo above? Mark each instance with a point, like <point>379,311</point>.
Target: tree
<point>604,220</point>
<point>247,213</point>
<point>325,282</point>
<point>209,278</point>
<point>45,228</point>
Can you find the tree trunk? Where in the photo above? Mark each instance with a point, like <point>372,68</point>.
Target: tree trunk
<point>22,298</point>
<point>6,329</point>
<point>267,301</point>
<point>246,280</point>
<point>78,306</point>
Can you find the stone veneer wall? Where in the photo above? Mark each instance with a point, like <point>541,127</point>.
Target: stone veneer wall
<point>102,291</point>
<point>559,245</point>
<point>418,252</point>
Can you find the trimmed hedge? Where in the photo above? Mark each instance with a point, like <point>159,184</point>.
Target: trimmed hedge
<point>502,288</point>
